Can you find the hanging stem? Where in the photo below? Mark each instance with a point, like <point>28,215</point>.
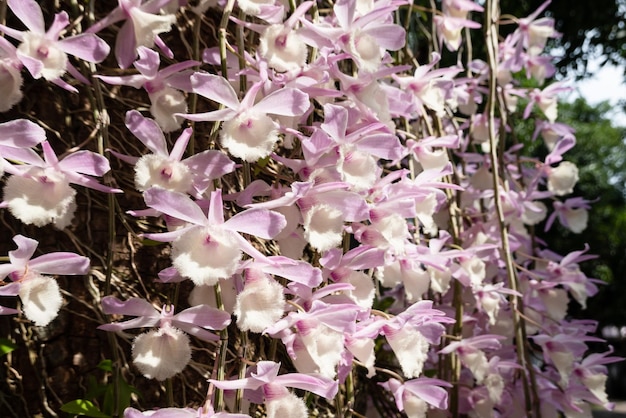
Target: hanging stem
<point>222,348</point>
<point>491,36</point>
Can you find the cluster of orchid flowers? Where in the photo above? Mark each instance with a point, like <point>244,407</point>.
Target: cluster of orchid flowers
<point>391,197</point>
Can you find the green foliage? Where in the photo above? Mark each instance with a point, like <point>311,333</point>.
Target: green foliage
<point>6,346</point>
<point>84,408</point>
<point>102,394</point>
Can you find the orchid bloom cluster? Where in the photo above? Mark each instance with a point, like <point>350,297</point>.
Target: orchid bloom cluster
<point>368,215</point>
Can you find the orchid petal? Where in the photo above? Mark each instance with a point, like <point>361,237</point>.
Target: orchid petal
<point>215,88</point>
<point>85,162</point>
<point>286,102</point>
<point>85,46</point>
<point>11,289</point>
<point>148,62</point>
<point>216,208</point>
<point>86,181</point>
<point>126,158</point>
<point>13,33</point>
<point>60,263</point>
<point>266,371</point>
<point>262,223</point>
<point>125,45</point>
<point>140,322</point>
<point>181,145</point>
<point>25,249</point>
<point>335,122</point>
<point>196,331</point>
<point>217,115</point>
<point>167,236</point>
<point>134,306</point>
<point>34,66</point>
<point>5,270</point>
<point>135,80</point>
<point>21,133</point>
<point>60,22</point>
<point>317,384</point>
<point>171,71</point>
<point>388,36</point>
<point>147,131</point>
<point>8,311</point>
<point>115,16</point>
<point>430,391</point>
<point>29,12</point>
<point>210,164</point>
<point>382,145</point>
<point>48,154</point>
<point>174,204</point>
<point>247,383</point>
<point>204,316</point>
<point>295,270</point>
<point>64,85</point>
<point>344,11</point>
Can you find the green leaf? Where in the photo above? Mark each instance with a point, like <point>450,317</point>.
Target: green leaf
<point>6,346</point>
<point>83,407</point>
<point>95,390</point>
<point>106,365</point>
<point>124,395</point>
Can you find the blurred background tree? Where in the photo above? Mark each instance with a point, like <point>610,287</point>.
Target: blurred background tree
<point>600,154</point>
<point>590,31</point>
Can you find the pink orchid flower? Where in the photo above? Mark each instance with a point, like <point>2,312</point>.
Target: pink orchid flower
<point>168,170</point>
<point>181,413</point>
<point>247,130</point>
<point>208,248</point>
<point>265,377</point>
<point>413,395</point>
<point>364,38</point>
<point>411,333</point>
<point>142,27</point>
<point>39,192</point>
<point>40,295</point>
<point>572,214</point>
<point>315,339</point>
<point>546,100</point>
<point>352,151</point>
<point>10,76</point>
<point>164,352</point>
<point>196,321</point>
<point>41,51</point>
<point>16,139</point>
<point>164,87</point>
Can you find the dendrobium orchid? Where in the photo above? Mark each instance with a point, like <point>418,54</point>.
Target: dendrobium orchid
<point>264,384</point>
<point>168,170</point>
<point>164,352</point>
<point>282,46</point>
<point>208,248</point>
<point>10,76</point>
<point>142,27</point>
<point>164,87</point>
<point>41,51</point>
<point>40,295</point>
<point>202,412</point>
<point>39,191</point>
<point>364,38</point>
<point>373,231</point>
<point>16,139</point>
<point>261,302</point>
<point>247,130</point>
<point>414,396</point>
